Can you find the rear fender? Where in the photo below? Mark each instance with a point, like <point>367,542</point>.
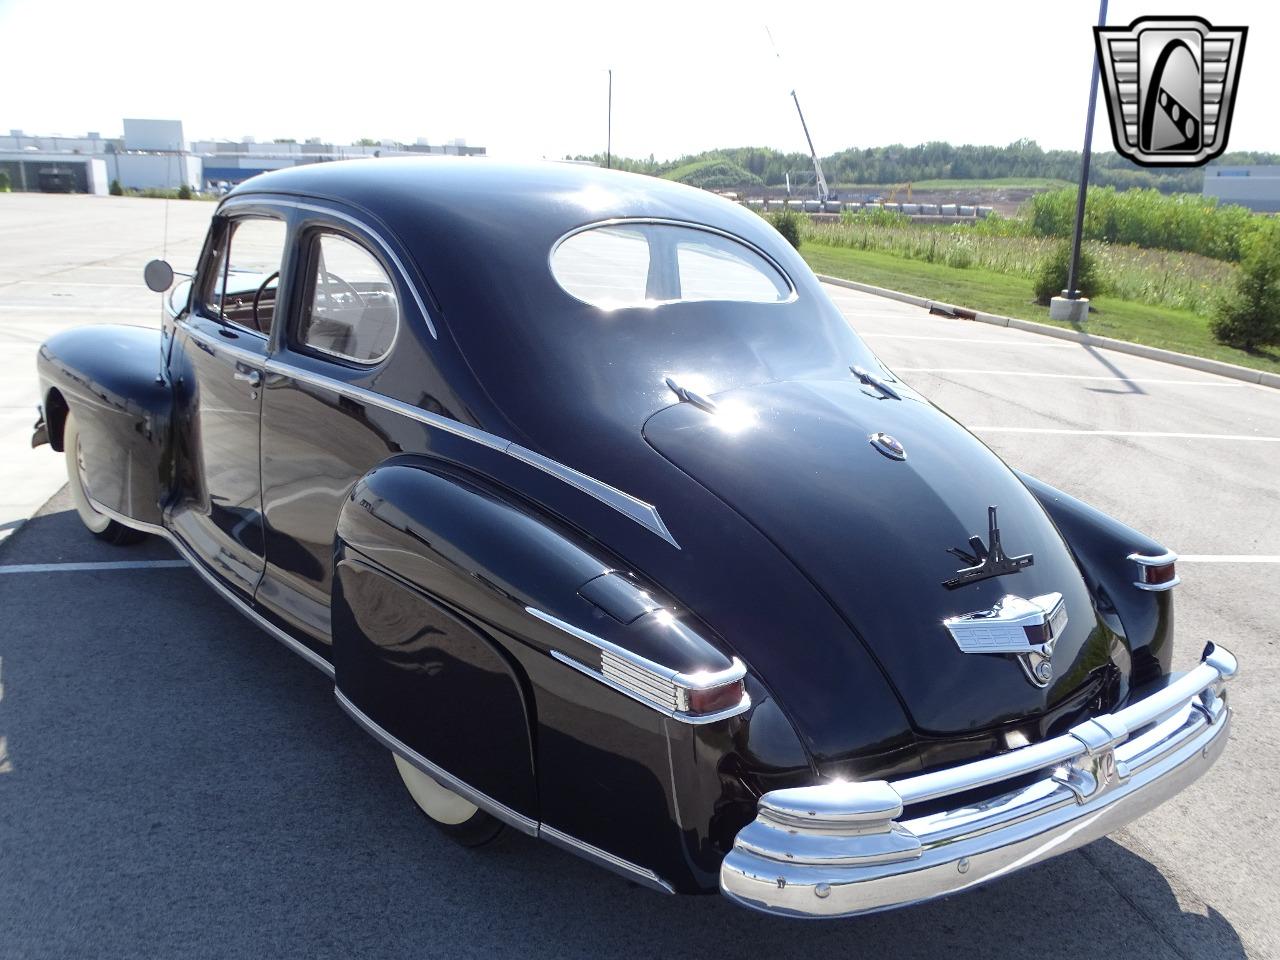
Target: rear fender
<point>1102,545</point>
<point>433,640</point>
<point>110,378</point>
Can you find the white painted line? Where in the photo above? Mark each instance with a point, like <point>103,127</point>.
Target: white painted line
<point>1003,343</point>
<point>1068,376</point>
<point>87,567</point>
<point>1124,433</point>
<point>1227,558</point>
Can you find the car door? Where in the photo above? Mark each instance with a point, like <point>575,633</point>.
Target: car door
<point>316,442</point>
<point>220,352</point>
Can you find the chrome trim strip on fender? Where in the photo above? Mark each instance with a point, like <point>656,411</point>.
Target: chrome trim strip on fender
<point>637,510</point>
<point>603,858</point>
<point>665,701</point>
<point>485,802</point>
<point>305,652</point>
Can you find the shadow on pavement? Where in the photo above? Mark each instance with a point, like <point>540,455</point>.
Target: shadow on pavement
<point>182,785</point>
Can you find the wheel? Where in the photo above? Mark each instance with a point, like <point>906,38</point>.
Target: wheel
<point>458,818</point>
<point>99,524</point>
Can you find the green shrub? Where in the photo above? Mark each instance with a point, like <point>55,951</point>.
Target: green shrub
<point>184,192</point>
<point>1148,218</point>
<point>1249,316</point>
<point>874,217</point>
<point>1052,274</point>
<point>115,189</point>
<point>5,184</point>
<point>787,222</point>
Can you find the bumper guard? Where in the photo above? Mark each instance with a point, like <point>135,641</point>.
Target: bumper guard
<point>841,849</point>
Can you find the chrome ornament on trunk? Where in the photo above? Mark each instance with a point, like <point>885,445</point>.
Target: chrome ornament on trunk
<point>1027,629</point>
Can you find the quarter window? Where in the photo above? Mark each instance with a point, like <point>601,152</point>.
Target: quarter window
<point>351,310</point>
<point>646,264</point>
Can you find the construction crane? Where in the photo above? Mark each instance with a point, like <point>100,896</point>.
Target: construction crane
<point>823,193</point>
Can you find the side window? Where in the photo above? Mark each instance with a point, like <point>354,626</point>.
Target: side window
<point>350,310</point>
<point>246,273</point>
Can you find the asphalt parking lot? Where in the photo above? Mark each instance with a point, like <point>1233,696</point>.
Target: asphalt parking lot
<point>175,783</point>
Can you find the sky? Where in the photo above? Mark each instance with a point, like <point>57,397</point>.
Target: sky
<point>531,79</point>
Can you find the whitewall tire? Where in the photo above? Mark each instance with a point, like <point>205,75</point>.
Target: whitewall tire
<point>456,816</point>
<point>99,524</point>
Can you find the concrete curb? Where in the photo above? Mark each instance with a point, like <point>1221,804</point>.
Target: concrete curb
<point>1204,365</point>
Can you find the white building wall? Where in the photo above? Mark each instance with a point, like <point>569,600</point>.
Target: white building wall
<point>140,171</point>
<point>1257,188</point>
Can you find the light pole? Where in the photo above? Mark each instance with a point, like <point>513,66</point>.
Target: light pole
<point>1069,307</point>
<point>608,147</point>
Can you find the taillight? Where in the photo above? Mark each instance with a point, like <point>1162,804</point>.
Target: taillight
<point>1156,572</point>
<point>714,699</point>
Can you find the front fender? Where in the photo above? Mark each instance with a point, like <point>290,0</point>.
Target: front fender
<point>1102,545</point>
<point>111,378</point>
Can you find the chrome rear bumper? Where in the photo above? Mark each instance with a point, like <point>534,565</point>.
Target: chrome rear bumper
<point>841,849</point>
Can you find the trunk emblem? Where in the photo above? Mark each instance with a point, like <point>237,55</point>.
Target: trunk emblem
<point>1027,629</point>
<point>985,562</point>
<point>889,446</point>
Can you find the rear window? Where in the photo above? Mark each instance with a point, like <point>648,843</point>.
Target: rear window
<point>646,264</point>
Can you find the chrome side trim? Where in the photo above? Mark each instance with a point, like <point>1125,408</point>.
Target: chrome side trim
<point>1158,560</point>
<point>603,858</point>
<point>251,199</point>
<point>842,849</point>
<point>642,513</point>
<point>485,802</point>
<point>305,652</point>
<point>648,691</point>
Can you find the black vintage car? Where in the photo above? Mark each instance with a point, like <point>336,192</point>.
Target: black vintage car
<point>613,532</point>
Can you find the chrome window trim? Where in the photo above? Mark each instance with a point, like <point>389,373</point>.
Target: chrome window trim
<point>791,297</point>
<point>305,652</point>
<point>237,352</point>
<point>251,199</point>
<point>1156,560</point>
<point>685,681</point>
<point>637,510</point>
<point>496,808</point>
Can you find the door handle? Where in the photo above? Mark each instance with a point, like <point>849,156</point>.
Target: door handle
<point>252,377</point>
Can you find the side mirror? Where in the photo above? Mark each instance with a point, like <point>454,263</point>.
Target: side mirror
<point>158,276</point>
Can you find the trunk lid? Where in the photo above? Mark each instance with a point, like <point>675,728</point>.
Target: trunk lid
<point>872,533</point>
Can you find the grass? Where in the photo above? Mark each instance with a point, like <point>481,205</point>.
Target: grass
<point>1010,296</point>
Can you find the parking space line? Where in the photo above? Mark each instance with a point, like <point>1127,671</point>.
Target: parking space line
<point>72,567</point>
<point>1003,343</point>
<point>1227,558</point>
<point>1063,431</point>
<point>1069,376</point>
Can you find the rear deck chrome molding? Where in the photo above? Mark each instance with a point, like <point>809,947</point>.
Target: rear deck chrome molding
<point>658,687</point>
<point>604,858</point>
<point>305,652</point>
<point>634,509</point>
<point>842,849</point>
<point>512,818</point>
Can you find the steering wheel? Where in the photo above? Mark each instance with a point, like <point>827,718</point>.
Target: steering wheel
<point>334,278</point>
<point>257,296</point>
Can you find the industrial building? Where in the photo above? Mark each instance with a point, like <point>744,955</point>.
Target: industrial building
<point>153,154</point>
<point>1257,188</point>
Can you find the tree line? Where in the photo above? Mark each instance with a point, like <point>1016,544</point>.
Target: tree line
<point>936,160</point>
